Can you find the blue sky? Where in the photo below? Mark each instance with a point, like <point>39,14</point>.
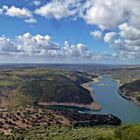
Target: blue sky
<point>76,31</point>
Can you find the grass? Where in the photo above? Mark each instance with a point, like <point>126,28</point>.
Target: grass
<point>19,100</point>
<point>7,84</point>
<point>125,132</point>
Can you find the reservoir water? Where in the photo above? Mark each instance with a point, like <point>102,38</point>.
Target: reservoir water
<point>106,94</point>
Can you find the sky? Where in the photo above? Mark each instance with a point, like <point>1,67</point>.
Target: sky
<point>70,31</point>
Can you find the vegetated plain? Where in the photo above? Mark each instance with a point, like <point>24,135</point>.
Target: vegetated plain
<point>23,87</point>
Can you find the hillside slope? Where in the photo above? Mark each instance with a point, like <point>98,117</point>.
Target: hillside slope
<point>33,85</point>
<point>131,91</point>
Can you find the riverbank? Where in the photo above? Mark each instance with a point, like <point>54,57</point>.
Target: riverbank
<point>93,106</point>
<point>118,81</point>
<point>113,103</point>
<point>128,97</point>
<point>133,99</point>
<point>87,89</point>
<point>96,106</point>
<point>123,94</point>
<point>96,80</point>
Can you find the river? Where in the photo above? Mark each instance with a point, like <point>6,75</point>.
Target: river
<point>106,94</point>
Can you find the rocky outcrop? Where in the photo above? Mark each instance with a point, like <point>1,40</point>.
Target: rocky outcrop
<point>29,117</point>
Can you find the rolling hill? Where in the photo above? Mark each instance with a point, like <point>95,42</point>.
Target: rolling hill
<point>34,85</point>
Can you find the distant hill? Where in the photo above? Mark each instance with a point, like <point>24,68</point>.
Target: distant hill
<point>46,91</point>
<point>22,86</point>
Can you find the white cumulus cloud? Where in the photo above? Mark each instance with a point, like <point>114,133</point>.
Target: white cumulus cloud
<point>59,9</point>
<point>43,46</point>
<point>7,46</point>
<point>109,37</point>
<point>96,34</point>
<point>129,32</point>
<point>18,12</point>
<point>22,13</point>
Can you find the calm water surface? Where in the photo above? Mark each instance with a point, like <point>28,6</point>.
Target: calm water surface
<point>107,95</point>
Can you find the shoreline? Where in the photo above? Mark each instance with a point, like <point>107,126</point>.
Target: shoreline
<point>128,98</point>
<point>96,80</point>
<point>118,81</point>
<point>94,104</point>
<point>123,94</point>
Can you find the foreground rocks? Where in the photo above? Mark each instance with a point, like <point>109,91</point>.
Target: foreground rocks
<point>29,117</point>
<point>83,119</point>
